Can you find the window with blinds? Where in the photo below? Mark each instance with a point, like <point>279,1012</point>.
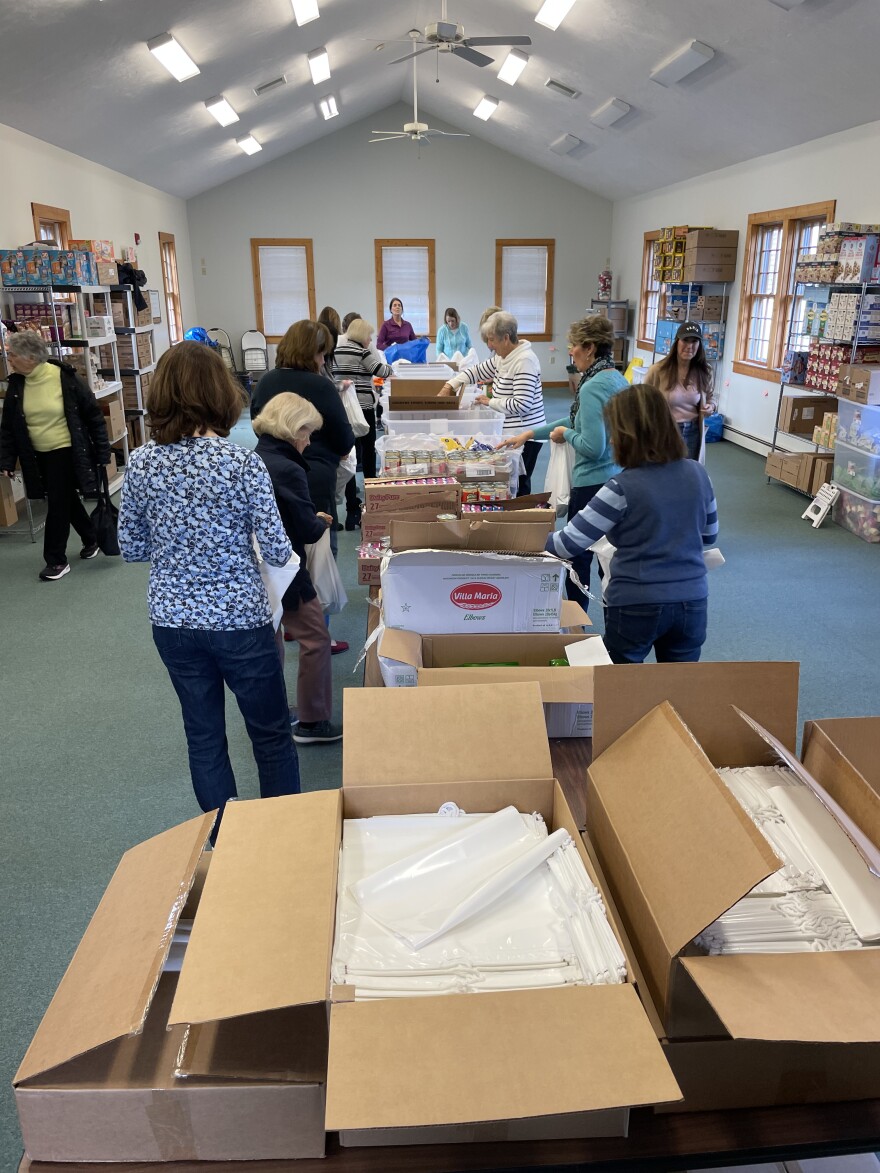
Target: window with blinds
<point>405,269</point>
<point>524,285</point>
<point>284,284</point>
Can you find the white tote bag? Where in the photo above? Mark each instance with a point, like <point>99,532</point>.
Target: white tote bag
<point>557,482</point>
<point>276,580</point>
<point>354,411</point>
<point>325,577</point>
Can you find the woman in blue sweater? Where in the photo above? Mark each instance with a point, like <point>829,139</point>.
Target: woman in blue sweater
<point>590,341</point>
<point>660,514</point>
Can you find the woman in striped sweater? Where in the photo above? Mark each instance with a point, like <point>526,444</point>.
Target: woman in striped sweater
<point>515,374</point>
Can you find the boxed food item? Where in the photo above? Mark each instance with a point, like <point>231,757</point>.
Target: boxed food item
<point>799,414</point>
<point>134,350</point>
<point>435,494</point>
<point>102,249</point>
<point>698,238</point>
<point>107,273</point>
<point>861,384</point>
<point>422,395</point>
<point>114,418</point>
<point>99,326</point>
<point>857,257</point>
<point>823,466</point>
<point>794,367</point>
<point>441,592</point>
<point>858,425</point>
<point>12,266</point>
<point>797,1016</point>
<point>37,265</point>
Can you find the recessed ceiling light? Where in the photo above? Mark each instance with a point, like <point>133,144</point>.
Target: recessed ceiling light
<point>609,112</point>
<point>682,62</point>
<point>514,63</point>
<point>305,10</point>
<point>319,65</point>
<point>328,106</point>
<point>175,59</point>
<point>485,108</point>
<point>553,13</point>
<point>221,110</point>
<point>565,144</point>
<point>248,144</point>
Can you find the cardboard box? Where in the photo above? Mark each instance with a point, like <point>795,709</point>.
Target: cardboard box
<point>422,395</point>
<point>447,591</point>
<point>103,249</point>
<point>114,418</point>
<point>368,571</point>
<point>112,1074</point>
<point>701,272</point>
<point>106,273</point>
<point>384,496</point>
<point>799,414</point>
<point>134,350</point>
<point>710,256</point>
<point>773,465</point>
<point>712,238</point>
<point>407,659</point>
<point>474,532</point>
<point>861,384</point>
<point>616,314</point>
<point>672,876</point>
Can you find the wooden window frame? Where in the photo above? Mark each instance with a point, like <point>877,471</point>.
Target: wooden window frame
<point>546,335</point>
<point>643,342</point>
<point>411,242</point>
<point>172,295</point>
<point>45,213</point>
<point>788,219</point>
<point>258,242</point>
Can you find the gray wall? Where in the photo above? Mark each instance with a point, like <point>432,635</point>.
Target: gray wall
<point>343,192</point>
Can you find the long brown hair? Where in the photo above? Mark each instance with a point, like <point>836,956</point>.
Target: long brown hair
<point>301,345</point>
<point>699,372</point>
<point>641,427</point>
<point>191,392</point>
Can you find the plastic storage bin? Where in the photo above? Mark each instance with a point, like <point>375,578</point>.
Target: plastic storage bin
<point>860,516</point>
<point>858,425</point>
<point>461,425</point>
<point>857,470</point>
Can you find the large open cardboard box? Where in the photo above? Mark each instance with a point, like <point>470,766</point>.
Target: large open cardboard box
<point>677,851</point>
<point>475,532</point>
<point>422,395</point>
<point>536,1064</point>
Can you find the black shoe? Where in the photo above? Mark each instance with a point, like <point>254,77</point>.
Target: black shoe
<point>352,521</point>
<point>91,551</point>
<point>52,573</point>
<point>315,732</point>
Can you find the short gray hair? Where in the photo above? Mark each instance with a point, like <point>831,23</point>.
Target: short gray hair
<point>500,325</point>
<point>359,330</point>
<point>27,345</point>
<point>285,415</point>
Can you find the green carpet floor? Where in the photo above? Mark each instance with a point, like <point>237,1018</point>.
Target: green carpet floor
<point>93,758</point>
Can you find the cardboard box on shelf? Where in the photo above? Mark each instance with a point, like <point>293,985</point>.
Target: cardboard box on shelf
<point>114,418</point>
<point>701,272</point>
<point>709,256</point>
<point>107,273</point>
<point>447,591</point>
<point>389,496</point>
<point>616,314</point>
<point>657,743</point>
<point>134,350</point>
<point>712,238</point>
<point>861,384</point>
<point>790,473</point>
<point>421,395</point>
<point>799,414</point>
<point>103,249</point>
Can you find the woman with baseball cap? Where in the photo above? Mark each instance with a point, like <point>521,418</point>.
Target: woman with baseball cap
<point>685,378</point>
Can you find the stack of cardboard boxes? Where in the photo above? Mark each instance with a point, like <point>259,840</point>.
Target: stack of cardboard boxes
<point>710,255</point>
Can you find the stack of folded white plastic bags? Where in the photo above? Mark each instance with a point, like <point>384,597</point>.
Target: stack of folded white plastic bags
<point>826,893</point>
<point>459,903</point>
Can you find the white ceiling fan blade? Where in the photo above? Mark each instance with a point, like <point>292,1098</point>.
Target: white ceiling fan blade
<point>388,137</point>
<point>449,133</point>
<point>409,56</point>
<point>471,55</point>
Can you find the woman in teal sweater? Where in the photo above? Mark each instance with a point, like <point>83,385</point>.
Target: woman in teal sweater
<point>590,341</point>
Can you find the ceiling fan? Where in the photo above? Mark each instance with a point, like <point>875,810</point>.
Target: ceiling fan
<point>447,37</point>
<point>417,132</point>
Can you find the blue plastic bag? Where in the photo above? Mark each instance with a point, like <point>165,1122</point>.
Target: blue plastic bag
<point>714,427</point>
<point>415,351</point>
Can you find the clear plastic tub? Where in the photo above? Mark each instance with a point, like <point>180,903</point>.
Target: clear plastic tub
<point>462,425</point>
<point>858,426</point>
<point>857,470</point>
<point>859,516</point>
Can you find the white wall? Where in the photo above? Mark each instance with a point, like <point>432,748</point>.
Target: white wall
<point>844,166</point>
<point>343,192</point>
<point>103,205</point>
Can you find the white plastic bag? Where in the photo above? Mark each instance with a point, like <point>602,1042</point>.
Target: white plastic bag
<point>276,580</point>
<point>346,469</point>
<point>354,411</point>
<point>325,577</point>
<point>557,482</point>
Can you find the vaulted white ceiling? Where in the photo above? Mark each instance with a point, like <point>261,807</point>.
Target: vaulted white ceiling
<point>77,73</point>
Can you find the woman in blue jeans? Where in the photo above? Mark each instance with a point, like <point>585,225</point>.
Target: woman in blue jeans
<point>660,514</point>
<point>192,503</point>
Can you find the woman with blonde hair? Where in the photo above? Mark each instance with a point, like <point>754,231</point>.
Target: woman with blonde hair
<point>285,427</point>
<point>192,503</point>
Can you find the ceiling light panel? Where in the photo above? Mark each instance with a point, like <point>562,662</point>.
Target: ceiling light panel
<point>248,144</point>
<point>565,144</point>
<point>305,11</point>
<point>553,13</point>
<point>328,107</point>
<point>267,87</point>
<point>485,108</point>
<point>514,63</point>
<point>221,110</point>
<point>175,58</point>
<point>682,62</point>
<point>609,112</point>
<point>558,88</point>
<point>319,65</point>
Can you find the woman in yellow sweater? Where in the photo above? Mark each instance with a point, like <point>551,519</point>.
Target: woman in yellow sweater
<point>53,426</point>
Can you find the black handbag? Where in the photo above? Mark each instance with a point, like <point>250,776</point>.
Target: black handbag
<point>105,516</point>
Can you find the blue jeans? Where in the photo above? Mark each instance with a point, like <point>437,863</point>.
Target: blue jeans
<point>676,632</point>
<point>199,664</point>
<point>692,434</point>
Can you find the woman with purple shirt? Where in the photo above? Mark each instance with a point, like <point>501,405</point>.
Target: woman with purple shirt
<point>396,328</point>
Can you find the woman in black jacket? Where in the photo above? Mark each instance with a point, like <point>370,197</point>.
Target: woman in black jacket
<point>285,426</point>
<point>53,426</point>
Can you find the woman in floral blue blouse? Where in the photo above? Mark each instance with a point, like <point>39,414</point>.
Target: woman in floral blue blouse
<point>191,504</point>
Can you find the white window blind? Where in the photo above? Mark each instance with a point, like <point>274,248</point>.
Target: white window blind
<point>405,274</point>
<point>524,286</point>
<point>284,286</point>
